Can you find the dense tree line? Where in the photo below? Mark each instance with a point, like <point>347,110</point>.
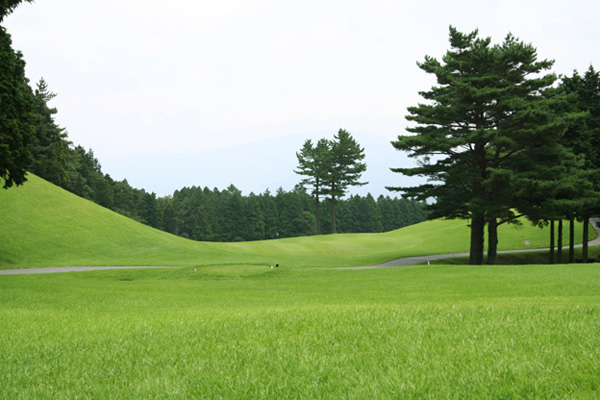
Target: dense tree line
<point>227,215</point>
<point>32,141</point>
<point>201,213</point>
<point>501,137</point>
<point>213,215</point>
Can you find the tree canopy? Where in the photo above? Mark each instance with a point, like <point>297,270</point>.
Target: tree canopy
<point>16,115</point>
<point>485,132</point>
<point>7,6</point>
<point>331,167</point>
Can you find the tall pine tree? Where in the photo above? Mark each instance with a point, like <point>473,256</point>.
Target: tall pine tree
<point>489,126</point>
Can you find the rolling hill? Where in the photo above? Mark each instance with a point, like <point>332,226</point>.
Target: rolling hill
<point>44,225</point>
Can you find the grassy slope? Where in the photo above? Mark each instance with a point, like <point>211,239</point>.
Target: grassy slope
<point>43,225</point>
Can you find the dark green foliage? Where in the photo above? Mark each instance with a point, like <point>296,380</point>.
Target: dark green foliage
<point>16,111</point>
<point>213,215</point>
<point>331,167</point>
<point>580,198</point>
<point>7,6</point>
<point>314,163</point>
<point>50,149</point>
<point>487,134</point>
<point>344,170</point>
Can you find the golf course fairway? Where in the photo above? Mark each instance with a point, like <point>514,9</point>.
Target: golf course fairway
<point>224,325</point>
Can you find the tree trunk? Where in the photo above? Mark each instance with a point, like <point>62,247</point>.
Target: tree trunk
<point>551,258</point>
<point>333,227</point>
<point>492,241</point>
<point>586,236</point>
<point>571,240</point>
<point>317,215</point>
<point>477,229</point>
<point>559,244</point>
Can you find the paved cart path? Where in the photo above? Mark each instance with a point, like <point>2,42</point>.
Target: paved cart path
<point>400,262</point>
<point>406,261</point>
<point>50,270</point>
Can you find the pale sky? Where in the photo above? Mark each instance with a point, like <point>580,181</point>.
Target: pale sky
<point>209,93</point>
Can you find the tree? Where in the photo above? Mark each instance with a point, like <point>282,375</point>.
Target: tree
<point>7,6</point>
<point>16,110</point>
<point>345,167</point>
<point>50,148</point>
<point>583,138</point>
<point>314,163</point>
<point>488,127</point>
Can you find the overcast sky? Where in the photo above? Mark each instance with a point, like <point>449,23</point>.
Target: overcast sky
<point>145,83</point>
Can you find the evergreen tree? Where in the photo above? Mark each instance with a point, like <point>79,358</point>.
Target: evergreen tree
<point>314,163</point>
<point>345,169</point>
<point>7,6</point>
<point>488,126</point>
<point>50,149</point>
<point>16,110</point>
<point>583,138</point>
<point>270,215</point>
<point>254,228</point>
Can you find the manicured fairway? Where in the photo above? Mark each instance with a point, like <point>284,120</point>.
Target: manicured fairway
<point>459,332</point>
<point>236,329</point>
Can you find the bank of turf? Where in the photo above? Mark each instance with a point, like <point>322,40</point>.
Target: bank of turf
<point>235,329</point>
<point>43,225</point>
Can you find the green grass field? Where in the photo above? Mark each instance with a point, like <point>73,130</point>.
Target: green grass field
<point>508,332</point>
<point>43,225</point>
<point>235,329</point>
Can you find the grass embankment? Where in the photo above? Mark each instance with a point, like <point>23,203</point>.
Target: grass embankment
<point>43,225</point>
<point>241,332</point>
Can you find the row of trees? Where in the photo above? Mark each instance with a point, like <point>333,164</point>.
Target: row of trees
<point>203,214</point>
<point>500,137</point>
<point>213,215</point>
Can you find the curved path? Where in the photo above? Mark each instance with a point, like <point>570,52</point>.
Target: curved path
<point>400,262</point>
<point>406,261</point>
<point>50,270</point>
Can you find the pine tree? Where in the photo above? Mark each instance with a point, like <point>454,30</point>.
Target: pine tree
<point>344,169</point>
<point>7,6</point>
<point>314,163</point>
<point>16,111</point>
<point>50,149</point>
<point>488,127</point>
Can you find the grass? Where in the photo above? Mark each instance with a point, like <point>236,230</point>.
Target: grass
<point>235,329</point>
<point>535,257</point>
<point>508,332</point>
<point>43,225</point>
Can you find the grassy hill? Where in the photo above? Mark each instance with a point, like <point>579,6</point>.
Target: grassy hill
<point>43,225</point>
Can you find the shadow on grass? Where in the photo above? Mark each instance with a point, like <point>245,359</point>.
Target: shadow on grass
<point>542,257</point>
